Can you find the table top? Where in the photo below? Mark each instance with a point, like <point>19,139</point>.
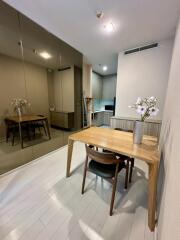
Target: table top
<point>25,118</point>
<point>120,142</point>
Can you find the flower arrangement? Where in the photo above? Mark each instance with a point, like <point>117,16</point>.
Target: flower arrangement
<point>146,107</point>
<point>19,104</point>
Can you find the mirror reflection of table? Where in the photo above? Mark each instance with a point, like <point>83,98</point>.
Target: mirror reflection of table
<point>28,119</point>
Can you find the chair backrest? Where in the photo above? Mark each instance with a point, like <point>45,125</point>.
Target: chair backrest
<point>124,130</point>
<point>101,157</point>
<point>9,123</point>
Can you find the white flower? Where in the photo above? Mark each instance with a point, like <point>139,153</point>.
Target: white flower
<point>139,101</point>
<point>141,110</point>
<point>152,99</point>
<point>129,106</point>
<point>153,111</point>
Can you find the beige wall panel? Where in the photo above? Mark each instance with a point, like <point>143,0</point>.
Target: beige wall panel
<point>12,85</point>
<point>33,87</point>
<point>68,90</point>
<point>37,88</point>
<point>50,78</point>
<point>58,91</point>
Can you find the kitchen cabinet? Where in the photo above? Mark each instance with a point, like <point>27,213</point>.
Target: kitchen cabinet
<point>102,118</point>
<point>107,117</point>
<point>62,119</point>
<point>98,118</point>
<point>66,87</point>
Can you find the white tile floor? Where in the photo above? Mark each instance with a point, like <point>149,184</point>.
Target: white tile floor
<point>38,202</point>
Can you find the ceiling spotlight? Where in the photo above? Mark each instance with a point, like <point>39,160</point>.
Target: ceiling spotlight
<point>99,14</point>
<point>45,55</point>
<point>109,27</point>
<point>105,68</point>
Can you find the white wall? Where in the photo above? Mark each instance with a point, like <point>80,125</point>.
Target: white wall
<point>87,76</point>
<point>97,85</point>
<point>109,87</point>
<point>87,85</point>
<point>169,177</point>
<point>143,74</point>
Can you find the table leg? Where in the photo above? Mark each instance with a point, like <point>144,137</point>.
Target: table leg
<point>152,196</point>
<point>69,157</point>
<point>47,127</point>
<point>20,135</point>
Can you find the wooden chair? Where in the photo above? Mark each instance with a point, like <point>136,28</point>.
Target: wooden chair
<point>125,158</point>
<point>13,129</point>
<point>105,165</point>
<point>38,125</point>
<point>131,160</point>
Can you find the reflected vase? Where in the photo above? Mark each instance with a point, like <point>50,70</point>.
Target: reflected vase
<point>138,132</point>
<point>19,112</point>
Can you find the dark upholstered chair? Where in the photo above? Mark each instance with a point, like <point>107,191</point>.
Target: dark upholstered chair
<point>125,158</point>
<point>38,125</point>
<point>131,160</point>
<point>105,165</point>
<point>12,129</point>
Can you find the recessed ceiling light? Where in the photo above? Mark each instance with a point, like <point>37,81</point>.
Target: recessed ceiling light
<point>99,14</point>
<point>109,27</point>
<point>45,55</point>
<point>105,68</point>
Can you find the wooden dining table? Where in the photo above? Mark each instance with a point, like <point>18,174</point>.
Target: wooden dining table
<point>122,143</point>
<point>20,120</point>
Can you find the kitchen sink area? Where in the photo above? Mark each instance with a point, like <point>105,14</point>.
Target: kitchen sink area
<point>103,93</point>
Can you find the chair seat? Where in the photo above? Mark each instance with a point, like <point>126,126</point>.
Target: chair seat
<point>104,170</point>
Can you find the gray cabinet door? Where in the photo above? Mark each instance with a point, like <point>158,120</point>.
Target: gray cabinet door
<point>107,116</point>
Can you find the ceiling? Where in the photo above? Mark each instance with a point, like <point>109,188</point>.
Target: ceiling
<point>136,22</point>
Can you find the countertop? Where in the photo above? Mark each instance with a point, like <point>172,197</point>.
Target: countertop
<point>98,111</point>
<point>134,119</point>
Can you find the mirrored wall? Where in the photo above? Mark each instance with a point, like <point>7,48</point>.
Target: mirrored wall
<point>40,90</point>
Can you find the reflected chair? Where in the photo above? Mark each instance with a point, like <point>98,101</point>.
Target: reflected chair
<point>38,125</point>
<point>12,129</point>
<point>105,165</point>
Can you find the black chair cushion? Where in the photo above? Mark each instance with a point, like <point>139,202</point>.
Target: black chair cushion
<point>104,170</point>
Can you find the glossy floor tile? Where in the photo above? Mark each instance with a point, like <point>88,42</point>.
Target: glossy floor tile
<point>38,202</point>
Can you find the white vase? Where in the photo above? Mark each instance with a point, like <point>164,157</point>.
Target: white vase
<point>138,132</point>
<point>19,112</point>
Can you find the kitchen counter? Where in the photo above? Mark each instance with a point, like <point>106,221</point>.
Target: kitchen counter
<point>101,117</point>
<point>98,111</point>
<point>135,119</point>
